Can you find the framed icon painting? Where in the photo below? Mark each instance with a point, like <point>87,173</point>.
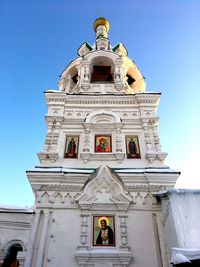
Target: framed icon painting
<point>132,147</point>
<point>103,230</point>
<point>103,143</point>
<point>71,146</point>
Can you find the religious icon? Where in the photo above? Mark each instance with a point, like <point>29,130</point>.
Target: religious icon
<point>103,231</point>
<point>103,143</point>
<point>71,147</point>
<point>132,147</point>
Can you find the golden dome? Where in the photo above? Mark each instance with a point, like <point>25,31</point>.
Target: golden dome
<point>101,21</point>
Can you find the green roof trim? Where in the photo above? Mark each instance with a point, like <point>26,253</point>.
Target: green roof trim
<point>88,46</point>
<point>115,47</point>
<point>118,46</point>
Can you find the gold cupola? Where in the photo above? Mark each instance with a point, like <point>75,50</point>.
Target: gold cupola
<point>101,22</point>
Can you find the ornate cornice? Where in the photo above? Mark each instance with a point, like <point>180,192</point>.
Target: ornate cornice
<point>145,188</point>
<point>145,98</point>
<point>103,102</point>
<point>61,188</point>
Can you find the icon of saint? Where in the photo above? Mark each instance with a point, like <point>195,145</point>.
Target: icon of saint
<point>105,236</point>
<point>71,149</point>
<point>132,148</point>
<point>103,145</point>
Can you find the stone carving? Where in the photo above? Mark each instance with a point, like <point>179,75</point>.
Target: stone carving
<point>84,229</point>
<point>104,188</point>
<point>84,49</point>
<point>145,188</point>
<point>102,44</point>
<point>123,233</point>
<point>117,74</point>
<point>106,101</point>
<point>52,135</point>
<point>55,197</point>
<point>59,188</point>
<point>63,83</point>
<point>86,147</point>
<point>118,140</point>
<point>143,198</point>
<point>86,76</point>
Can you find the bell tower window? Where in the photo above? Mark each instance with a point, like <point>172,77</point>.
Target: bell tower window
<point>130,80</point>
<point>75,78</point>
<point>102,74</point>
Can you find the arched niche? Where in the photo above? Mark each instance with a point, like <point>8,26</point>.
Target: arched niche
<point>101,66</point>
<point>102,117</point>
<point>11,251</point>
<point>18,243</point>
<point>105,123</point>
<point>102,70</point>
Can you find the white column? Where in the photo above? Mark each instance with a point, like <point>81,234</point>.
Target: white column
<point>42,239</point>
<point>32,238</point>
<point>160,241</point>
<point>123,232</point>
<point>84,229</point>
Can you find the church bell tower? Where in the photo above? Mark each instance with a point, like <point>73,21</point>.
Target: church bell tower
<point>101,166</point>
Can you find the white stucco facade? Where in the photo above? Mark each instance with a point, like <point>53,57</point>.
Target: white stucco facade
<point>101,94</point>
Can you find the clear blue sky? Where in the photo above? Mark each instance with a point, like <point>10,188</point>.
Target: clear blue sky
<point>39,38</point>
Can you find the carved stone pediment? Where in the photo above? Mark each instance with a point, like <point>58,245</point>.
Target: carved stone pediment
<point>105,188</point>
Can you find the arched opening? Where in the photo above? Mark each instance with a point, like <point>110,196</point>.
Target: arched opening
<point>74,76</point>
<point>11,256</point>
<point>130,80</point>
<point>102,70</point>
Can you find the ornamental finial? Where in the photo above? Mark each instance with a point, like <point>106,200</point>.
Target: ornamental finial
<point>101,27</point>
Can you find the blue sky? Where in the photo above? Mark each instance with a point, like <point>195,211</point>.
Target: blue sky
<point>39,39</point>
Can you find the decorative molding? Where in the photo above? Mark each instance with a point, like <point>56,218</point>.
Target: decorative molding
<point>155,155</point>
<point>123,232</point>
<point>84,229</point>
<point>51,156</point>
<point>12,242</point>
<point>143,198</point>
<point>103,102</point>
<point>105,188</point>
<point>103,115</point>
<point>63,188</point>
<point>15,225</point>
<point>55,197</point>
<point>144,97</point>
<point>103,156</point>
<point>145,188</point>
<point>108,258</point>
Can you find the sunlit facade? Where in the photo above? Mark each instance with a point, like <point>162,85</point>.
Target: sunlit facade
<point>101,172</point>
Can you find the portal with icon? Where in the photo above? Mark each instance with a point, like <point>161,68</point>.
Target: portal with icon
<point>103,230</point>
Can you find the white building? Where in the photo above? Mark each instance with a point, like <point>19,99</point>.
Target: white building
<point>102,159</point>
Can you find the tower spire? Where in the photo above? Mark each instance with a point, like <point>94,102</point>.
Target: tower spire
<point>101,27</point>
